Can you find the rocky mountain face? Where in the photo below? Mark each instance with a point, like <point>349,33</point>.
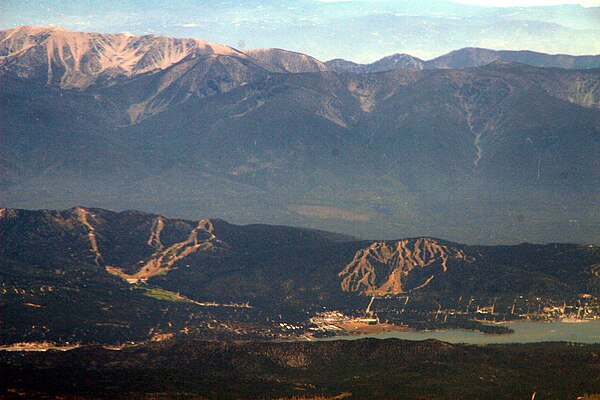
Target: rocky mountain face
<point>93,275</point>
<point>500,153</point>
<point>78,60</point>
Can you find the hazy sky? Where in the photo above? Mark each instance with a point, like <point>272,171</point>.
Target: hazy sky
<point>360,30</point>
<point>528,3</point>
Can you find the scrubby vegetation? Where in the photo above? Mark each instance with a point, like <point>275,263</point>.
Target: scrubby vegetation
<point>363,369</point>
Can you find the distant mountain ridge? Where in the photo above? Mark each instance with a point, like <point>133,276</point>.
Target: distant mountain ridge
<point>70,59</point>
<point>389,63</point>
<point>468,58</point>
<point>475,57</point>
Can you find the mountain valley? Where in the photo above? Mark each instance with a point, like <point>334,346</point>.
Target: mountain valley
<point>95,276</point>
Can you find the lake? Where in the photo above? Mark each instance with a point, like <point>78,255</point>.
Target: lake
<point>525,332</point>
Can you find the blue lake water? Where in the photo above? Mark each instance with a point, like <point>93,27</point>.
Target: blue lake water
<point>525,332</point>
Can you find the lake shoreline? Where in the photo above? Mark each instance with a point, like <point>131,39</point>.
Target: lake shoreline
<point>523,331</point>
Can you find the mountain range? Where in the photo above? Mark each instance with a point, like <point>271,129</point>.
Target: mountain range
<point>96,276</point>
<point>358,30</point>
<point>440,173</point>
<point>474,147</point>
<point>468,58</point>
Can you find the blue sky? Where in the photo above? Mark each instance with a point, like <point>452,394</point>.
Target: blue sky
<point>360,30</point>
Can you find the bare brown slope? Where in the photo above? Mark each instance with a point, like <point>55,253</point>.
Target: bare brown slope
<point>388,268</point>
<point>70,59</point>
<point>201,238</point>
